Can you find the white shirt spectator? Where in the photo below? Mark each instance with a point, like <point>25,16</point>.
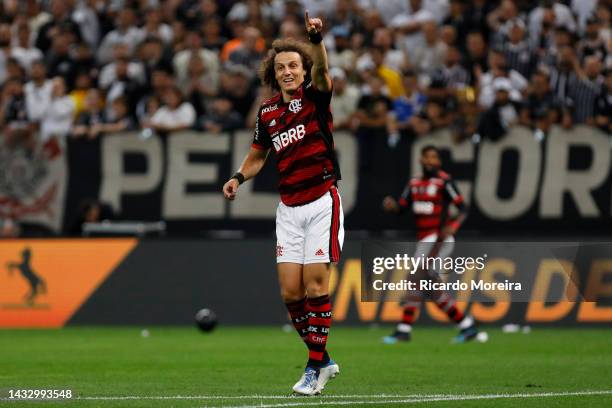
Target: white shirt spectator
<point>439,8</point>
<point>410,42</point>
<point>208,57</point>
<point>394,59</point>
<point>487,90</point>
<point>88,22</point>
<point>133,36</point>
<point>183,116</point>
<point>583,9</point>
<point>343,106</point>
<point>388,9</point>
<point>563,17</point>
<point>108,75</point>
<point>25,56</point>
<point>57,119</point>
<point>38,99</point>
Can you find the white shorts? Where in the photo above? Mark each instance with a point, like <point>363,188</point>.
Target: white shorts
<point>426,245</point>
<point>310,233</point>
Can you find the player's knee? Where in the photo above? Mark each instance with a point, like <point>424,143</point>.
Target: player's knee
<point>292,294</point>
<point>316,288</point>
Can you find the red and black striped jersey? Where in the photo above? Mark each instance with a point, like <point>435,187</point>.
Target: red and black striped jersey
<point>429,198</point>
<point>300,133</point>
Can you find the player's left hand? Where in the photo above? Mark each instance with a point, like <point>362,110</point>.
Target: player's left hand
<point>313,25</point>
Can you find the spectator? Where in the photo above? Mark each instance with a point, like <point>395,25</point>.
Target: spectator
<point>372,121</point>
<point>499,69</point>
<point>457,21</point>
<point>455,75</point>
<point>91,115</point>
<point>14,116</point>
<point>23,51</point>
<point>222,117</point>
<point>212,38</point>
<point>57,119</point>
<point>38,92</point>
<point>340,54</point>
<point>82,85</point>
<point>476,61</point>
<point>519,54</point>
<point>155,27</point>
<point>59,61</point>
<point>174,114</point>
<point>344,102</point>
<point>247,53</point>
<point>410,26</point>
<point>549,14</point>
<point>126,33</point>
<point>120,121</point>
<point>603,105</point>
<point>411,103</point>
<point>541,108</point>
<point>61,23</point>
<point>209,59</point>
<point>430,55</point>
<point>503,114</point>
<point>5,50</point>
<point>592,43</point>
<point>238,86</point>
<point>501,20</point>
<point>199,86</point>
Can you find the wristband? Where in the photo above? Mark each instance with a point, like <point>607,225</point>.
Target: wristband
<point>238,176</point>
<point>315,37</point>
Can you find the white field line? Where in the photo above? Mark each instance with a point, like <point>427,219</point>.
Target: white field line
<point>376,399</point>
<point>334,399</point>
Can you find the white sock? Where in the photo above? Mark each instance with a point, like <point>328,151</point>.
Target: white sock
<point>466,322</point>
<point>404,328</point>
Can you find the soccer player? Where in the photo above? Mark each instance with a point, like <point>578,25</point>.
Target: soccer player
<point>429,196</point>
<point>296,124</point>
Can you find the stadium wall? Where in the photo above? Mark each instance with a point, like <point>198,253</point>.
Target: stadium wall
<point>562,185</point>
<point>164,282</point>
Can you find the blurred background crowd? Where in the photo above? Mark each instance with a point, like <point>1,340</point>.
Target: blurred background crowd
<point>83,68</point>
<point>402,69</point>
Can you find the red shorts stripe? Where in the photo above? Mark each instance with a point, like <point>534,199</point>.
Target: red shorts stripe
<point>334,243</point>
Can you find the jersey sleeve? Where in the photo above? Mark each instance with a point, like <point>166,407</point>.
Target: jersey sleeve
<point>321,99</point>
<point>452,194</point>
<point>261,137</point>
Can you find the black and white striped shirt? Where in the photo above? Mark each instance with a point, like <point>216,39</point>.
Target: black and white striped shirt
<point>576,94</point>
<point>520,57</point>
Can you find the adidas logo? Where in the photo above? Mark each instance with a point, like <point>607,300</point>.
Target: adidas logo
<point>319,252</point>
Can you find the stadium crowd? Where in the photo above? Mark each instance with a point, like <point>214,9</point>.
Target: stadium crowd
<point>82,68</point>
<point>79,69</point>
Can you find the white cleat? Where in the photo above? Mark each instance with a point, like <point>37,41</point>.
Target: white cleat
<point>307,385</point>
<point>331,370</point>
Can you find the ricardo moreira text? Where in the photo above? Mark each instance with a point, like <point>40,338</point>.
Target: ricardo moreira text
<point>411,263</point>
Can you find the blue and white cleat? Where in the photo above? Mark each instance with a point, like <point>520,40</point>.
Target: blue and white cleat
<point>466,335</point>
<point>307,385</point>
<point>397,337</point>
<point>326,373</point>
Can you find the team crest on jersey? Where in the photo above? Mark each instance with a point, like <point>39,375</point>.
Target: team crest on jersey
<point>295,105</point>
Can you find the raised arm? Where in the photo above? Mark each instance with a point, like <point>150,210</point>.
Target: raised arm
<point>250,167</point>
<point>319,73</point>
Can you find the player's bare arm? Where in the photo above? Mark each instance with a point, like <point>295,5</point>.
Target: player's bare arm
<point>319,72</point>
<point>250,167</point>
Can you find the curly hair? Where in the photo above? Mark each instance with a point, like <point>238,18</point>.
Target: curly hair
<point>266,69</point>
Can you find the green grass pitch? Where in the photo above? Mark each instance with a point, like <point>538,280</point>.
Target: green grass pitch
<point>181,367</point>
